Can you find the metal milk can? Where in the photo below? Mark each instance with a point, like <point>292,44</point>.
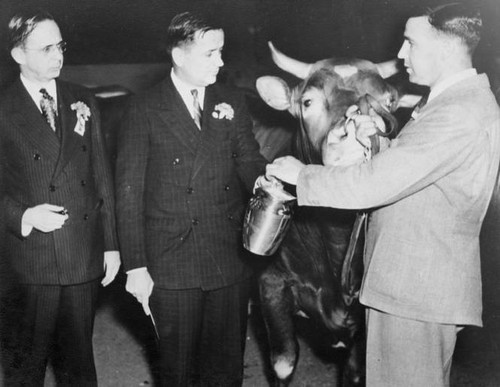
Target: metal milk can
<point>267,217</point>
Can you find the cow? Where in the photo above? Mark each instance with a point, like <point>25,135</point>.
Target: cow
<point>318,268</point>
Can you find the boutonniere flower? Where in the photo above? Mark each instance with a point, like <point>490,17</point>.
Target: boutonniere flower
<point>82,115</point>
<point>223,110</point>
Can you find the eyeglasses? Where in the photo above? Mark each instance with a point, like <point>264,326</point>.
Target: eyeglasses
<point>50,49</point>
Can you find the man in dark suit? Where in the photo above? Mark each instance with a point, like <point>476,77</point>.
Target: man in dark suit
<point>185,156</point>
<point>59,207</point>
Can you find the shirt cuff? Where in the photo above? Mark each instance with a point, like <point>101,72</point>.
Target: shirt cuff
<point>144,268</point>
<point>25,228</point>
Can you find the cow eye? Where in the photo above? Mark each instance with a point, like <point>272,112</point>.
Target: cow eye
<point>390,104</point>
<point>306,102</point>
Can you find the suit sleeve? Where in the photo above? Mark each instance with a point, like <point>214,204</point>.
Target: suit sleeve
<point>12,210</point>
<point>131,164</point>
<point>432,148</point>
<point>250,162</point>
<point>104,179</point>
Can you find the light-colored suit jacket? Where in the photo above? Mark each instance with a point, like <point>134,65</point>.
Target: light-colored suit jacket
<point>429,190</point>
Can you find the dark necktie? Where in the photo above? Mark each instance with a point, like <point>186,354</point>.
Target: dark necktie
<point>419,105</point>
<point>196,108</point>
<point>48,106</point>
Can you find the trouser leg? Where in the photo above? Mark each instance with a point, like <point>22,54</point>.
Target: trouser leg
<point>408,353</point>
<point>178,318</point>
<point>33,335</point>
<point>224,335</point>
<point>74,358</point>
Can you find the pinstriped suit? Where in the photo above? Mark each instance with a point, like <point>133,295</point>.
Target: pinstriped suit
<point>180,204</point>
<point>180,191</point>
<point>72,172</point>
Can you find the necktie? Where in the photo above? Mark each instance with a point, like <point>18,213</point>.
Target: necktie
<point>419,105</point>
<point>196,108</point>
<point>48,106</point>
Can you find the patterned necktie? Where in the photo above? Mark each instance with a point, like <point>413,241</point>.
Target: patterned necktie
<point>48,106</point>
<point>196,109</point>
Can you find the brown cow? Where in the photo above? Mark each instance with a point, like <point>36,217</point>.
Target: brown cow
<point>309,276</point>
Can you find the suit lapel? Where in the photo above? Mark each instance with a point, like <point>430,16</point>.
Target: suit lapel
<point>173,112</point>
<point>31,123</point>
<point>209,139</point>
<point>67,122</point>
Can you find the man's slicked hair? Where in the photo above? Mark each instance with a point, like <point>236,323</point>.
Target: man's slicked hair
<point>23,24</point>
<point>183,28</point>
<point>459,20</point>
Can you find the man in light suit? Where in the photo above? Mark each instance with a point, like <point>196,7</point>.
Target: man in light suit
<point>429,192</point>
<point>59,208</point>
<point>187,159</point>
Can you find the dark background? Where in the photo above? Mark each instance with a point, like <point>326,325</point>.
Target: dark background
<point>132,31</point>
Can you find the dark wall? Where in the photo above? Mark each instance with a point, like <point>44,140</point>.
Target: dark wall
<point>127,31</point>
<point>132,31</point>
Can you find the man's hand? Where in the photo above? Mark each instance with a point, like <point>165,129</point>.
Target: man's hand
<point>341,147</point>
<point>140,285</point>
<point>112,263</point>
<point>286,169</point>
<point>44,217</point>
<point>366,124</point>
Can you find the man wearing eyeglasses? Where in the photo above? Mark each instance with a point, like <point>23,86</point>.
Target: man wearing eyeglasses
<point>59,208</point>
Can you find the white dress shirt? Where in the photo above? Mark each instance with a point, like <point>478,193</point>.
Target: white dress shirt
<point>184,90</point>
<point>33,89</point>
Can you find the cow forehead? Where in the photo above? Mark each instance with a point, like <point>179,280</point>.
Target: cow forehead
<point>323,79</point>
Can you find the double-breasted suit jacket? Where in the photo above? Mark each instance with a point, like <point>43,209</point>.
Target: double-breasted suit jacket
<point>68,169</point>
<point>182,192</point>
<point>431,189</point>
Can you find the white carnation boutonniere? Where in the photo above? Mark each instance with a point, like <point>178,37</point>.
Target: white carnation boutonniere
<point>223,110</point>
<point>82,116</point>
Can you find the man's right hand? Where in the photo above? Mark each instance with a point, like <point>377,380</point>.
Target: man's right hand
<point>140,285</point>
<point>44,217</point>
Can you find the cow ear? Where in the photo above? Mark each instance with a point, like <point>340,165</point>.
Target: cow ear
<point>387,69</point>
<point>274,91</point>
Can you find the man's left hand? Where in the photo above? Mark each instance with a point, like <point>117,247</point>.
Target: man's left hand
<point>112,263</point>
<point>286,169</point>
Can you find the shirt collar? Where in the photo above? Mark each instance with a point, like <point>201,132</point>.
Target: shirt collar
<point>184,90</point>
<point>33,89</point>
<point>450,81</point>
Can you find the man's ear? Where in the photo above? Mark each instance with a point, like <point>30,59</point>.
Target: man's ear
<point>178,56</point>
<point>18,54</point>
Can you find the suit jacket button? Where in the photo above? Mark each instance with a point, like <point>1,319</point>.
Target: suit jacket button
<point>83,182</point>
<point>226,188</point>
<point>176,161</point>
<point>84,148</point>
<point>194,221</point>
<point>230,217</point>
<point>190,190</point>
<point>234,155</point>
<point>52,188</point>
<point>85,217</point>
<point>36,156</point>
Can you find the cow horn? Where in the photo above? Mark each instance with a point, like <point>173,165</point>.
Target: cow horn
<point>299,69</point>
<point>387,69</point>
